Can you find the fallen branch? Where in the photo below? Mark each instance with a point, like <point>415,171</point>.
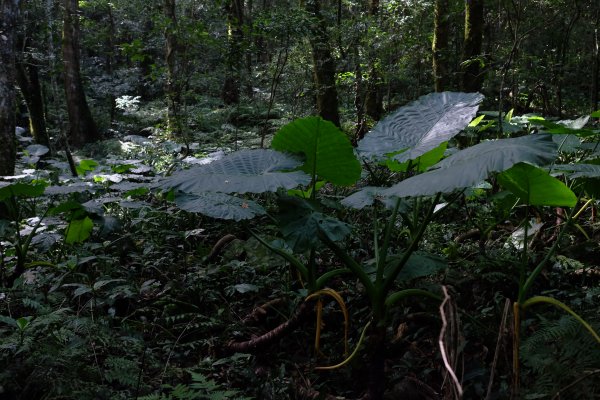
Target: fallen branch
<point>259,342</point>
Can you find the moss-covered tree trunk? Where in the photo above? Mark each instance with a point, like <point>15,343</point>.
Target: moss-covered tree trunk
<point>324,67</point>
<point>441,33</point>
<point>472,77</point>
<point>373,98</point>
<point>235,36</point>
<point>596,64</point>
<point>172,88</point>
<point>82,128</point>
<point>9,10</point>
<point>28,80</point>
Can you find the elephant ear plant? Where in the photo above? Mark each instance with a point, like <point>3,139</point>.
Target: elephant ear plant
<point>311,151</point>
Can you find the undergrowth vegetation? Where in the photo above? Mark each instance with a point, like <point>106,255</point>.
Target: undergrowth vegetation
<point>433,262</point>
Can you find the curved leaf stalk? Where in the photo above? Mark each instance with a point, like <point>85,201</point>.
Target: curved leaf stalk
<point>557,303</point>
<point>300,267</point>
<point>382,254</point>
<point>319,325</point>
<point>389,280</point>
<point>351,356</point>
<point>352,265</point>
<point>323,279</point>
<point>338,298</point>
<point>22,246</point>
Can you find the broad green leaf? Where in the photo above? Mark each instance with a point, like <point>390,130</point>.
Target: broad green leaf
<point>565,127</point>
<point>509,115</point>
<point>595,114</point>
<point>420,126</point>
<point>328,151</point>
<point>86,166</point>
<point>476,121</point>
<point>419,264</point>
<point>122,168</point>
<point>245,171</point>
<point>536,187</point>
<point>421,163</point>
<point>79,230</point>
<point>305,194</point>
<point>20,189</point>
<point>65,206</point>
<point>23,322</point>
<point>218,205</point>
<point>301,222</point>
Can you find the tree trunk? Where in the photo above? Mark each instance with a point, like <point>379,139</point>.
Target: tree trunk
<point>235,35</point>
<point>9,10</point>
<point>596,65</point>
<point>324,68</point>
<point>441,33</point>
<point>373,101</point>
<point>82,128</point>
<point>173,87</point>
<point>562,58</point>
<point>472,77</point>
<point>29,83</point>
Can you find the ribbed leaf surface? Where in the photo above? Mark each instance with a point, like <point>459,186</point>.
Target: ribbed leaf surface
<point>474,164</point>
<point>578,170</point>
<point>219,205</point>
<point>421,125</point>
<point>245,171</point>
<point>328,150</point>
<point>466,168</point>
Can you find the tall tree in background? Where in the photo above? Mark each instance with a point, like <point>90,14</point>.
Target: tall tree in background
<point>82,128</point>
<point>31,89</point>
<point>472,77</point>
<point>27,73</point>
<point>235,37</point>
<point>324,68</point>
<point>373,98</point>
<point>9,10</point>
<point>173,90</point>
<point>596,59</point>
<point>441,33</point>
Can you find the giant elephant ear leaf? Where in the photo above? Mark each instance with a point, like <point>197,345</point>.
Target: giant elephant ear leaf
<point>536,187</point>
<point>466,168</point>
<point>245,171</point>
<point>420,126</point>
<point>327,150</point>
<point>474,164</point>
<point>218,205</point>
